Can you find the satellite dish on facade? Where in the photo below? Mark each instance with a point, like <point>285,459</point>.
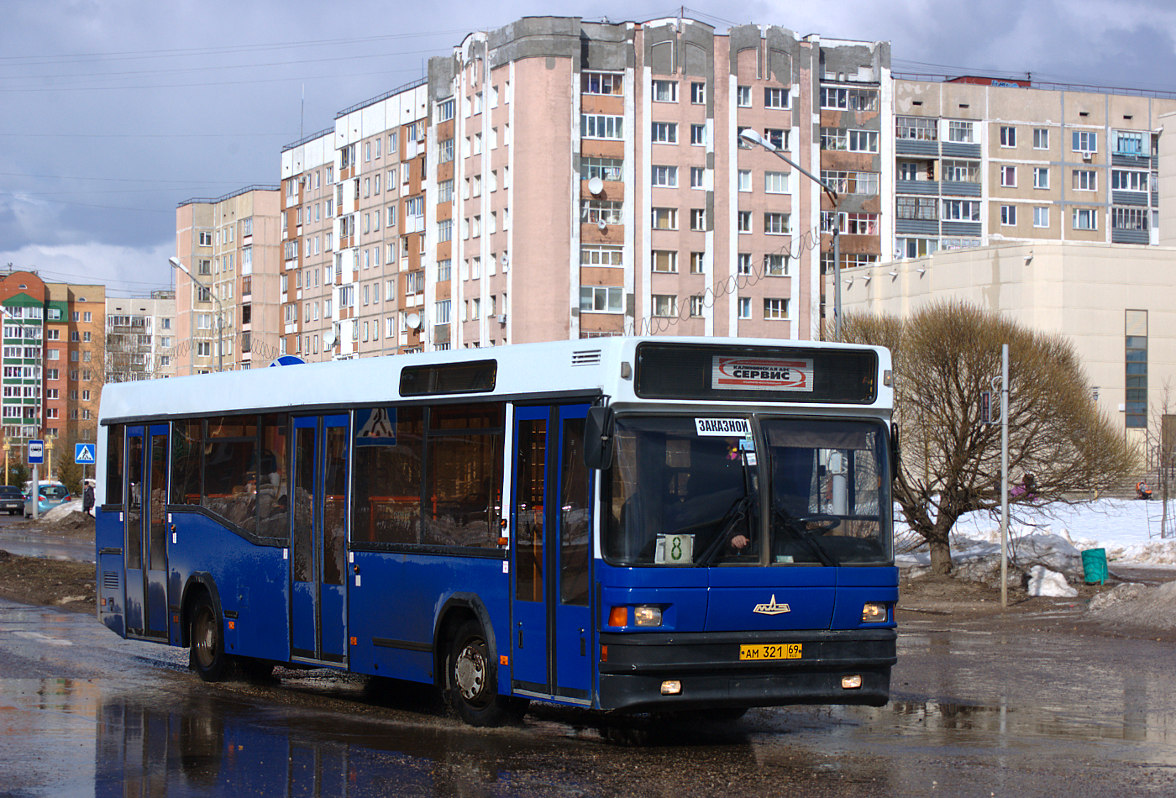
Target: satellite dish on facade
<point>601,225</point>
<point>413,320</point>
<point>595,186</point>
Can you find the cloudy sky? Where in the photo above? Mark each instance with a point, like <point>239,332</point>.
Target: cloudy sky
<point>114,111</point>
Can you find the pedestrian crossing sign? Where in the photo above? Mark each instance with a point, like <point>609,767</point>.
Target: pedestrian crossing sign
<point>84,453</point>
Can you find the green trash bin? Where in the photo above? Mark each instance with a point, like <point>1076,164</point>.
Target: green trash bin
<point>1094,566</point>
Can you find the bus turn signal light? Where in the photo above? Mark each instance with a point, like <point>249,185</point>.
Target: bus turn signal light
<point>874,612</point>
<point>618,616</point>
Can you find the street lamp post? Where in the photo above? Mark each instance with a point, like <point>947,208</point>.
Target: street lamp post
<point>753,137</point>
<point>220,344</point>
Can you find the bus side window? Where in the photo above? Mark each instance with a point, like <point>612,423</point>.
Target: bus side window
<point>115,437</point>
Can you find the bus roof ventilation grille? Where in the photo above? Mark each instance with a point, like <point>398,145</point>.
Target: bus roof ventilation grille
<point>586,357</point>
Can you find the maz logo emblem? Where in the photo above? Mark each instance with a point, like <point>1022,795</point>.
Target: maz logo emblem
<point>772,608</point>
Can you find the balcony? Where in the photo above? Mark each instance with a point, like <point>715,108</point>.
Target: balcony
<point>920,187</point>
<point>958,188</point>
<point>955,149</point>
<point>916,147</point>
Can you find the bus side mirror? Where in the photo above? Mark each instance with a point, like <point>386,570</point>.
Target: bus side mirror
<point>598,432</point>
<point>894,452</point>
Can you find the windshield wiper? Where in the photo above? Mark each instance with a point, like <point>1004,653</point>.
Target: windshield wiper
<point>798,526</point>
<point>738,516</point>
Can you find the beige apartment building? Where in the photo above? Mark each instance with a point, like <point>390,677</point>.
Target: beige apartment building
<point>980,161</point>
<point>227,293</point>
<point>141,337</point>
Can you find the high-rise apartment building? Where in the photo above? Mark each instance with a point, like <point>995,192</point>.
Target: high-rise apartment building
<point>558,178</point>
<point>53,350</point>
<point>141,337</point>
<point>979,161</point>
<point>227,300</point>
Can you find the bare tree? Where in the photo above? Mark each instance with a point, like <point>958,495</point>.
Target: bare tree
<point>945,355</point>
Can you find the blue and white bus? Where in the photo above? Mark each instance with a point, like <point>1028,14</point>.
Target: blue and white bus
<point>627,524</point>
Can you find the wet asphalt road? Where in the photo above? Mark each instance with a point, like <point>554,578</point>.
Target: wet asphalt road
<point>19,537</point>
<point>980,709</point>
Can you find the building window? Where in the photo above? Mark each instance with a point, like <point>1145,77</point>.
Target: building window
<point>612,257</point>
<point>602,83</point>
<point>961,210</point>
<point>698,93</point>
<point>961,171</point>
<point>776,224</point>
<point>743,96</point>
<point>847,99</point>
<point>1008,176</point>
<point>664,133</point>
<point>1084,141</point>
<point>745,307</point>
<point>776,265</point>
<point>916,128</point>
<point>863,141</point>
<point>697,262</point>
<point>1128,142</point>
<point>602,126</point>
<point>1008,136</point>
<point>743,220</point>
<point>665,305</point>
<point>1040,138</point>
<point>698,135</point>
<point>665,91</point>
<point>601,211</point>
<point>600,299</point>
<point>665,261</point>
<point>665,176</point>
<point>698,219</point>
<point>1135,355</point>
<point>1122,180</point>
<point>696,306</point>
<point>924,208</point>
<point>665,218</point>
<point>604,168</point>
<point>743,264</point>
<point>777,137</point>
<point>1129,218</point>
<point>1084,180</point>
<point>1041,216</point>
<point>776,182</point>
<point>775,97</point>
<point>1008,215</point>
<point>1041,177</point>
<point>1085,219</point>
<point>961,132</point>
<point>697,177</point>
<point>775,309</point>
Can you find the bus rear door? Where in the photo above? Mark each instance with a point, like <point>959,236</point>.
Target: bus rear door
<point>318,544</point>
<point>146,531</point>
<point>551,634</point>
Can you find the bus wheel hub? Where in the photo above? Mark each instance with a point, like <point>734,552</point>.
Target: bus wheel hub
<point>470,673</point>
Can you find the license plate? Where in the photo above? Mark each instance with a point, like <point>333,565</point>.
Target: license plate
<point>770,651</point>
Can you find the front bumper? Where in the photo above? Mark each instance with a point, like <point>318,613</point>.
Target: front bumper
<point>711,674</point>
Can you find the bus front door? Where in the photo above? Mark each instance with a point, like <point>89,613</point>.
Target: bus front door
<point>551,635</point>
<point>145,551</point>
<point>318,612</point>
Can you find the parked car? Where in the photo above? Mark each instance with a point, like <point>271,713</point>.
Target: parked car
<point>51,495</point>
<point>12,499</point>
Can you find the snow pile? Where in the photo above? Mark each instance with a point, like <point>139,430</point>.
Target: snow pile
<point>1044,582</point>
<point>1138,605</point>
<point>62,512</point>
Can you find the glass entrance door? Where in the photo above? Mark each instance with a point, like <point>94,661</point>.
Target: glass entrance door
<point>145,549</point>
<point>551,635</point>
<point>319,539</point>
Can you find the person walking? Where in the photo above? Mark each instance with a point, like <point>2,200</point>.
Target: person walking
<point>88,498</point>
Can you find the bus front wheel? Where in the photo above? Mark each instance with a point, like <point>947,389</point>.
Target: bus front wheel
<point>207,655</point>
<point>473,681</point>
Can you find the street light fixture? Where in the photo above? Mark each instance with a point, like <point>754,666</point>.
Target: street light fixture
<point>753,137</point>
<point>220,346</point>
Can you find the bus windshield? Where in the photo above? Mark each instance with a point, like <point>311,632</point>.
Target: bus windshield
<point>689,491</point>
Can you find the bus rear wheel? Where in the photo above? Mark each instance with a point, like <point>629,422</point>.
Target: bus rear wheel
<point>473,681</point>
<point>207,654</point>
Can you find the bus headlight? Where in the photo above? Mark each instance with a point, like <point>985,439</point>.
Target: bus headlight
<point>874,612</point>
<point>646,615</point>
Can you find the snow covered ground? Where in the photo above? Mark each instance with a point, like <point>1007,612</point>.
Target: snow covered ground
<point>1128,529</point>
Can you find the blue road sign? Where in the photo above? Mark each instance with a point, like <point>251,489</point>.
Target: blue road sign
<point>36,452</point>
<point>84,453</point>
